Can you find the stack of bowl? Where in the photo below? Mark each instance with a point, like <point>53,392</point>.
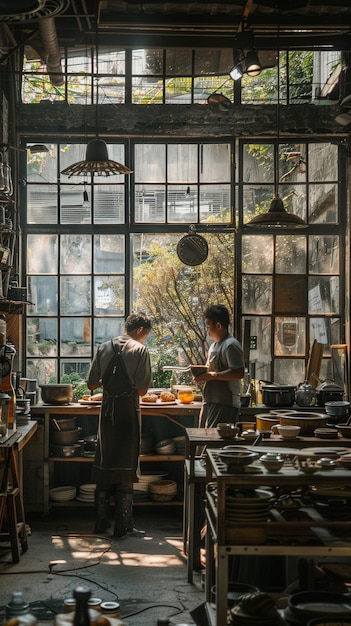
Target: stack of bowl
<point>166,446</point>
<point>64,437</point>
<point>163,490</point>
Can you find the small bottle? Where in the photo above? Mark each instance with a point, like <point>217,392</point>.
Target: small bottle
<point>18,609</point>
<point>173,382</point>
<point>81,615</point>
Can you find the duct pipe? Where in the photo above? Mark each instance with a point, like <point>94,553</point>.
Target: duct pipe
<point>48,36</point>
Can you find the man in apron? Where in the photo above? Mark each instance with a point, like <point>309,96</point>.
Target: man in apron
<point>122,367</point>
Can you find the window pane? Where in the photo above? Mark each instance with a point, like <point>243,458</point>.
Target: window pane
<point>323,162</point>
<point>215,163</point>
<point>73,208</point>
<point>150,203</point>
<point>109,254</point>
<point>42,166</point>
<point>178,61</point>
<point>289,336</point>
<point>323,203</point>
<point>44,370</point>
<point>147,62</point>
<point>75,254</point>
<point>294,199</point>
<point>41,336</point>
<point>257,254</point>
<point>109,295</point>
<point>257,294</point>
<point>150,163</point>
<point>258,163</point>
<point>41,204</point>
<point>75,336</point>
<point>323,254</point>
<point>107,327</point>
<point>290,254</point>
<point>75,295</point>
<point>261,356</point>
<point>109,204</point>
<point>292,163</point>
<point>323,294</point>
<point>80,367</point>
<point>291,370</point>
<point>326,330</point>
<point>47,261</point>
<point>215,203</point>
<point>179,91</point>
<point>42,294</point>
<point>182,204</point>
<point>182,163</point>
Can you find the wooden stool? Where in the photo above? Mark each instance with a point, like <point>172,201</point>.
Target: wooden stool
<point>12,520</point>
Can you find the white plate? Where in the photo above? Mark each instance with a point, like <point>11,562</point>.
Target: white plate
<point>158,403</point>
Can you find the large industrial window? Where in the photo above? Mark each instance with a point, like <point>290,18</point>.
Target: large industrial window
<point>97,249</point>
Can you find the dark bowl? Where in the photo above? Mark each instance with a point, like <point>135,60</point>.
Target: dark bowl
<point>64,437</point>
<point>62,423</point>
<point>65,451</point>
<point>56,394</point>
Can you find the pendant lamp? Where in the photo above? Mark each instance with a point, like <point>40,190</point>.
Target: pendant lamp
<point>96,162</point>
<point>96,157</point>
<point>277,216</point>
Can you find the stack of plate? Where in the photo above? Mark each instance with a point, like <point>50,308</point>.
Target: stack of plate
<point>146,479</point>
<point>179,443</point>
<point>86,493</point>
<point>244,506</point>
<point>63,494</point>
<point>163,490</point>
<point>166,446</point>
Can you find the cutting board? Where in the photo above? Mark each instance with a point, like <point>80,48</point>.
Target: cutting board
<point>314,363</point>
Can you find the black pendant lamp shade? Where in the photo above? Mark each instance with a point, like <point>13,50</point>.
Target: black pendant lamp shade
<point>277,217</point>
<point>96,162</point>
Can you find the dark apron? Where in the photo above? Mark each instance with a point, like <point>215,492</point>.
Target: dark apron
<point>117,454</point>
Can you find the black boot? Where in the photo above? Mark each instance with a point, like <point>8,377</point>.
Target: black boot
<point>102,508</point>
<point>123,511</point>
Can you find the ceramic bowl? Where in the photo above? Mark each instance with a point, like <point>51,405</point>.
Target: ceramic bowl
<point>308,421</point>
<point>272,462</point>
<point>345,431</point>
<point>227,431</point>
<point>288,431</point>
<point>237,458</point>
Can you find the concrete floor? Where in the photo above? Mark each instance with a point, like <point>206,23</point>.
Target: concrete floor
<point>147,575</point>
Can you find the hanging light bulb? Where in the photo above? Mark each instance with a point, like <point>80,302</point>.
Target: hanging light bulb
<point>236,72</point>
<point>252,64</point>
<point>277,217</point>
<point>86,203</point>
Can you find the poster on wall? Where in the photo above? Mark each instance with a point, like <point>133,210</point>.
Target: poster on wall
<point>290,294</point>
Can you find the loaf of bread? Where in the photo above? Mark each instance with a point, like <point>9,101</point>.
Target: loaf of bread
<point>167,396</point>
<point>149,397</point>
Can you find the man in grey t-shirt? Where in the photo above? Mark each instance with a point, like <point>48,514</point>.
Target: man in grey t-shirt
<point>225,361</point>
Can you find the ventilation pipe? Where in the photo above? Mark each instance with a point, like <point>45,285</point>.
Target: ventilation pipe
<point>48,36</point>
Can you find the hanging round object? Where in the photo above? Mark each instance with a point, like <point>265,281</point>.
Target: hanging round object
<point>219,100</point>
<point>192,249</point>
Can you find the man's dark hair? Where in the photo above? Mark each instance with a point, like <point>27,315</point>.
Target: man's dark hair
<point>218,313</point>
<point>137,320</point>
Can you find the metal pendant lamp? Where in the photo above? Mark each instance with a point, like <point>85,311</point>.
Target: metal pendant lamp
<point>277,217</point>
<point>96,162</point>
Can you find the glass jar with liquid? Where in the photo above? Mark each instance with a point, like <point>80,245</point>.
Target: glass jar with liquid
<point>185,394</point>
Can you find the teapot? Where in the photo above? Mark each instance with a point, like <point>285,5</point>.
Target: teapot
<point>306,394</point>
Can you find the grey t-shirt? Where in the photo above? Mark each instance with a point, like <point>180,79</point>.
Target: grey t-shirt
<point>136,358</point>
<point>223,355</point>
